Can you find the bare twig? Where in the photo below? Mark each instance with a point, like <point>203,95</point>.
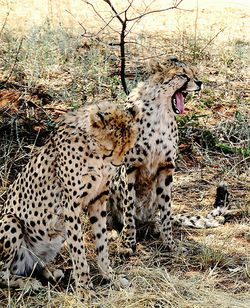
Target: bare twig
<point>100,16</point>
<point>195,29</point>
<point>114,10</point>
<point>81,25</point>
<point>61,110</point>
<point>246,159</point>
<point>213,38</point>
<point>16,58</point>
<point>107,25</point>
<point>4,23</point>
<point>175,6</point>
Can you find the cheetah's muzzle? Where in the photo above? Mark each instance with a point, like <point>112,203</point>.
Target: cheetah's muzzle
<point>178,99</point>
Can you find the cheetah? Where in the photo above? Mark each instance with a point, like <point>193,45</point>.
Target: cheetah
<point>141,189</point>
<point>70,173</point>
<point>150,163</point>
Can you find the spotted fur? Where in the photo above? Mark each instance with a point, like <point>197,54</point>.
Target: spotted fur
<point>150,163</point>
<point>71,172</point>
<point>213,219</point>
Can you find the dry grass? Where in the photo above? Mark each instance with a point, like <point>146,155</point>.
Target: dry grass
<point>48,66</point>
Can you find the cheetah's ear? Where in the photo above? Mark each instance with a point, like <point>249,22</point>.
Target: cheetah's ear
<point>173,59</point>
<point>135,110</point>
<point>154,66</point>
<point>97,119</point>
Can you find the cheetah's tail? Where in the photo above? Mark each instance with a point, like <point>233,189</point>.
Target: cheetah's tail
<point>214,218</point>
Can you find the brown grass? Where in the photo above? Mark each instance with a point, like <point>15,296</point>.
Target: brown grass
<point>50,67</point>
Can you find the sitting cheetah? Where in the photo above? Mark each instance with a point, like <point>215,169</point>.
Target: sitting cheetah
<point>70,172</point>
<point>141,188</point>
<point>150,163</point>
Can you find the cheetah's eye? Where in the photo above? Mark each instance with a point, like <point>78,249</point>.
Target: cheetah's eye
<point>183,76</point>
<point>166,82</point>
<point>108,155</point>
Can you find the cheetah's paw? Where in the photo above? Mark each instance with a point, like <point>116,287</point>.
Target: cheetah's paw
<point>30,284</point>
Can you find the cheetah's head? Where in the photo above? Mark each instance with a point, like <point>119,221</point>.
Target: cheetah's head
<point>115,130</point>
<point>175,79</point>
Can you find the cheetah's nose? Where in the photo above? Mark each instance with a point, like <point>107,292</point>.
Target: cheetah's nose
<point>199,84</point>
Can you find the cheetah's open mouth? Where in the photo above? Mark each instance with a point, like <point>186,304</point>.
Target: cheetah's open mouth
<point>178,100</point>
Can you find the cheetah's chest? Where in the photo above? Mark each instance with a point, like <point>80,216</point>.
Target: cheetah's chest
<point>158,144</point>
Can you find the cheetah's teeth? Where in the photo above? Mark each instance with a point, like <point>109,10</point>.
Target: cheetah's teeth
<point>175,106</point>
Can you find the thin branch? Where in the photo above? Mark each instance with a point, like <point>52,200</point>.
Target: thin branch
<point>139,10</point>
<point>96,34</point>
<point>212,39</point>
<point>195,28</point>
<point>100,16</point>
<point>126,10</point>
<point>135,43</point>
<point>111,19</point>
<point>237,164</point>
<point>16,58</point>
<point>132,26</point>
<point>4,23</point>
<point>141,13</point>
<point>84,29</point>
<point>108,25</point>
<point>114,10</point>
<point>94,9</point>
<point>156,11</point>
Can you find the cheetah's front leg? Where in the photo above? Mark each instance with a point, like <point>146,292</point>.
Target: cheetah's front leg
<point>16,255</point>
<point>129,229</point>
<point>97,213</point>
<point>163,199</point>
<point>75,241</point>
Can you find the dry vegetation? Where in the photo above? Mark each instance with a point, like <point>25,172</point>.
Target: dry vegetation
<point>51,61</point>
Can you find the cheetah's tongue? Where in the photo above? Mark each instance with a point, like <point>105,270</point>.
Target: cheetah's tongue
<point>179,101</point>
